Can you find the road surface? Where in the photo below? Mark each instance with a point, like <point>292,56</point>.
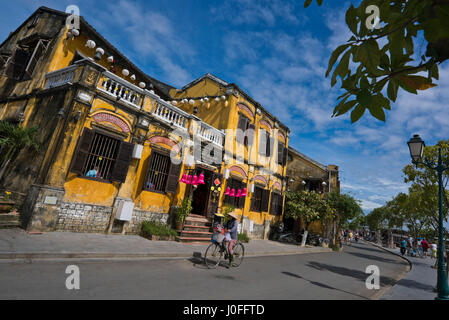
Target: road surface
<point>308,276</point>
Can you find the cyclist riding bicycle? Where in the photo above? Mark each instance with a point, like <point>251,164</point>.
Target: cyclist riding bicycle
<point>231,228</point>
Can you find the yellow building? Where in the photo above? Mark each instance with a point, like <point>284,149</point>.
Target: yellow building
<point>119,145</point>
<point>115,141</point>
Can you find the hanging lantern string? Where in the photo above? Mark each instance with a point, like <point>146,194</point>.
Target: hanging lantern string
<point>222,97</point>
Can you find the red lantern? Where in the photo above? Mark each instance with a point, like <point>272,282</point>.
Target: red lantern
<point>244,193</point>
<point>189,179</point>
<point>195,180</point>
<point>184,178</point>
<point>232,193</point>
<point>228,192</point>
<point>201,180</point>
<point>239,193</point>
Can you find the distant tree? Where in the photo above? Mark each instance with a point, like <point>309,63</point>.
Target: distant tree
<point>384,54</point>
<point>346,207</point>
<point>309,206</point>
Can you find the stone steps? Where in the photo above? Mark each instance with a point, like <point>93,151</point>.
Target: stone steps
<point>197,229</point>
<point>9,221</point>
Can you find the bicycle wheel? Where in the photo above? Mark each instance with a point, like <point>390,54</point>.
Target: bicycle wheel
<point>213,256</point>
<point>239,254</point>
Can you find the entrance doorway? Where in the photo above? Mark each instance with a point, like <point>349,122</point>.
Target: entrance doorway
<point>201,194</point>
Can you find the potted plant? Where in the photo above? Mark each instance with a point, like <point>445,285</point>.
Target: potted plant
<point>182,212</point>
<point>157,231</point>
<point>6,205</point>
<point>243,237</point>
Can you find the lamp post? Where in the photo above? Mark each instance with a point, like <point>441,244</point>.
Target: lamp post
<point>416,146</point>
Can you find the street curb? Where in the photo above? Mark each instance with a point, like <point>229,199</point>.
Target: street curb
<point>383,292</point>
<point>394,253</point>
<point>50,255</point>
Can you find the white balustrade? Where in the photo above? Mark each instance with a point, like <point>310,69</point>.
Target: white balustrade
<point>121,89</point>
<point>171,115</point>
<point>60,77</point>
<point>211,134</point>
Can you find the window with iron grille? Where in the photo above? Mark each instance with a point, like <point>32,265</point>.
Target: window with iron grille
<point>102,156</point>
<point>234,201</point>
<point>158,172</point>
<point>276,204</point>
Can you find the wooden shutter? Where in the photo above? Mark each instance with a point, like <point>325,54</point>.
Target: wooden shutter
<point>273,203</point>
<point>265,200</point>
<point>268,153</point>
<point>3,61</point>
<point>17,63</point>
<point>122,162</point>
<point>251,134</point>
<point>262,142</point>
<point>173,178</point>
<point>242,125</point>
<point>280,152</point>
<point>38,51</point>
<point>150,162</point>
<point>82,152</point>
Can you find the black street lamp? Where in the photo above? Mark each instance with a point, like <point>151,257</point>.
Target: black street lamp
<point>416,146</point>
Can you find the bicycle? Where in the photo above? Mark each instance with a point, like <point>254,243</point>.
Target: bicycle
<point>219,249</point>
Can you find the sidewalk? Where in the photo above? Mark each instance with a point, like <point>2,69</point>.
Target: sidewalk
<point>18,244</point>
<point>418,284</point>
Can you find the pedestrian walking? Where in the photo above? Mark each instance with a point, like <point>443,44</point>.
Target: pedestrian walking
<point>433,247</point>
<point>425,247</point>
<point>403,246</point>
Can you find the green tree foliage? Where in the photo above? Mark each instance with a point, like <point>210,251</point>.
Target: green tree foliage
<point>13,139</point>
<point>425,184</point>
<point>347,209</point>
<point>384,58</point>
<point>309,206</point>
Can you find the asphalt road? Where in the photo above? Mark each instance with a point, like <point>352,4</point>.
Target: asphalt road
<point>309,276</point>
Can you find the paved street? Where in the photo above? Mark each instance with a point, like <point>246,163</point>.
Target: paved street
<point>418,284</point>
<point>308,276</point>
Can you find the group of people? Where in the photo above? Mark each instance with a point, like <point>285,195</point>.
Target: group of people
<point>418,247</point>
<point>349,236</point>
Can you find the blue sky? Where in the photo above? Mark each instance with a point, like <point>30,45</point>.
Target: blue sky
<point>278,52</point>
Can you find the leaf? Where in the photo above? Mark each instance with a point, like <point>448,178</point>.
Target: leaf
<point>342,68</point>
<point>365,98</point>
<point>380,85</point>
<point>392,90</point>
<point>406,87</point>
<point>357,113</point>
<point>434,73</point>
<point>335,56</point>
<point>345,108</point>
<point>377,111</point>
<point>417,82</point>
<point>351,19</point>
<point>307,3</point>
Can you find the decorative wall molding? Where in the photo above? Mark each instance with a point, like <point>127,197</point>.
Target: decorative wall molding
<point>238,170</point>
<point>164,140</point>
<point>246,109</point>
<point>110,118</point>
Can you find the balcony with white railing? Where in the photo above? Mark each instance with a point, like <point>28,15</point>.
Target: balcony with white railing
<point>60,77</point>
<point>211,134</point>
<point>121,89</point>
<point>171,115</point>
